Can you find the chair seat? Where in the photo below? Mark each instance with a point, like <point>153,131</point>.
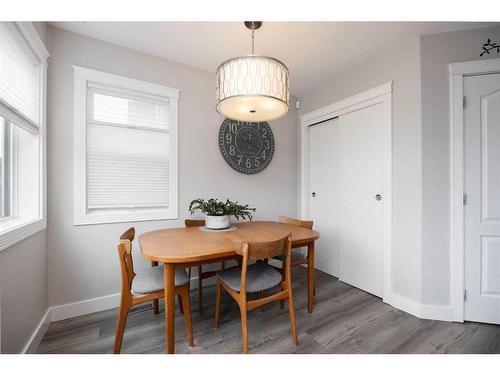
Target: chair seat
<point>296,256</point>
<point>260,277</point>
<point>152,280</point>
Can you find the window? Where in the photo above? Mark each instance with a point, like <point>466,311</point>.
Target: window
<point>22,96</point>
<point>5,168</point>
<point>125,149</point>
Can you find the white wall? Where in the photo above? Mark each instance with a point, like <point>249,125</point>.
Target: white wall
<point>23,281</point>
<point>437,51</point>
<point>401,65</point>
<point>83,262</point>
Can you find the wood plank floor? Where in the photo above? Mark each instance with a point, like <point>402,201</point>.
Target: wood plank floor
<point>345,320</point>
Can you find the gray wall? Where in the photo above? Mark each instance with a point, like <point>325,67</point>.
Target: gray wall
<point>437,51</point>
<point>401,65</point>
<point>83,261</point>
<point>24,290</point>
<point>23,280</point>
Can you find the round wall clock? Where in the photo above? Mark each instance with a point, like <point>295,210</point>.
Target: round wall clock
<point>247,147</point>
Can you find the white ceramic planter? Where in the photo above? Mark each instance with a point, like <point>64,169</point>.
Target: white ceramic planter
<point>217,222</point>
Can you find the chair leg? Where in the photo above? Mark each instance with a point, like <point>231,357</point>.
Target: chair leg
<point>218,292</point>
<point>120,326</point>
<point>200,291</point>
<point>184,299</point>
<point>291,311</point>
<point>244,331</point>
<point>155,301</point>
<point>282,302</point>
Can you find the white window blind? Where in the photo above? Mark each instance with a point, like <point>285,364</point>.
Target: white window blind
<point>19,79</point>
<point>128,148</point>
<point>23,78</point>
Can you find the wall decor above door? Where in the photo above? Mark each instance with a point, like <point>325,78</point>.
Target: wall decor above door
<point>247,147</point>
<point>490,46</point>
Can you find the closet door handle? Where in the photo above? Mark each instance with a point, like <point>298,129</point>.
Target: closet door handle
<point>378,197</point>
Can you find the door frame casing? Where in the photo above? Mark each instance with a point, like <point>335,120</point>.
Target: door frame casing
<point>458,71</point>
<point>381,94</point>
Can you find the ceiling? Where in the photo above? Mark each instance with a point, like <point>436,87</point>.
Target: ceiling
<point>311,50</point>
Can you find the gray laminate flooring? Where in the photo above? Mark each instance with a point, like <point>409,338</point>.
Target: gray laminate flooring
<point>345,320</point>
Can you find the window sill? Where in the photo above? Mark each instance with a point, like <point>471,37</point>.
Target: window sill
<point>123,216</point>
<point>14,231</point>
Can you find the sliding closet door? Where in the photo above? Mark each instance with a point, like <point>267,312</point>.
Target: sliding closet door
<point>324,193</point>
<point>361,198</point>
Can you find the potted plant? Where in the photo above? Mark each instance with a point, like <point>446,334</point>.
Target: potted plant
<point>218,213</point>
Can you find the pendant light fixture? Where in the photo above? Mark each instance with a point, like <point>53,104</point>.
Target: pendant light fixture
<point>252,87</point>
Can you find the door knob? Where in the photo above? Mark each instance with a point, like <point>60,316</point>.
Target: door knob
<point>313,194</point>
<point>378,197</point>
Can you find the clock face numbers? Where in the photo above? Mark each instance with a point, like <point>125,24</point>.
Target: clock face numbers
<point>247,147</point>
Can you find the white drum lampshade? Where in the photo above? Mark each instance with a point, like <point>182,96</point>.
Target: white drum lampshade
<point>252,88</point>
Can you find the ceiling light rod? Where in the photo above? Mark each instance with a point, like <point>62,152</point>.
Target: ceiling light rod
<point>253,25</point>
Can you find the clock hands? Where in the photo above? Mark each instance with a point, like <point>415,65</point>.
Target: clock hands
<point>250,143</point>
<point>249,135</point>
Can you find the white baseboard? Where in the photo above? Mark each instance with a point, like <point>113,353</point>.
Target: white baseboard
<point>403,303</point>
<point>274,262</point>
<point>89,306</point>
<point>437,312</point>
<point>37,335</point>
<point>423,311</point>
<point>72,310</point>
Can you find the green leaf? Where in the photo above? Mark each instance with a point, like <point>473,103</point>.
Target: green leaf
<point>214,207</point>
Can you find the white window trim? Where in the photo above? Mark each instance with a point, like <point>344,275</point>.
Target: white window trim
<point>15,231</point>
<point>81,216</point>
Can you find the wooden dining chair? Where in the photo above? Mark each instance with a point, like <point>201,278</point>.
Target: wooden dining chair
<point>297,257</point>
<point>256,278</point>
<point>144,287</point>
<point>201,274</point>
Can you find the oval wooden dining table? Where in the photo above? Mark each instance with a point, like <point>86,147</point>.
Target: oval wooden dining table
<point>186,247</point>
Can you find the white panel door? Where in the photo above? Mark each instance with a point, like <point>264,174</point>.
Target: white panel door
<point>482,209</point>
<point>361,198</point>
<point>324,191</point>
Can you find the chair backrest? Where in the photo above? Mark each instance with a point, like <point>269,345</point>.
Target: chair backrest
<point>264,250</point>
<point>129,234</point>
<point>125,256</point>
<point>194,223</point>
<point>299,223</point>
